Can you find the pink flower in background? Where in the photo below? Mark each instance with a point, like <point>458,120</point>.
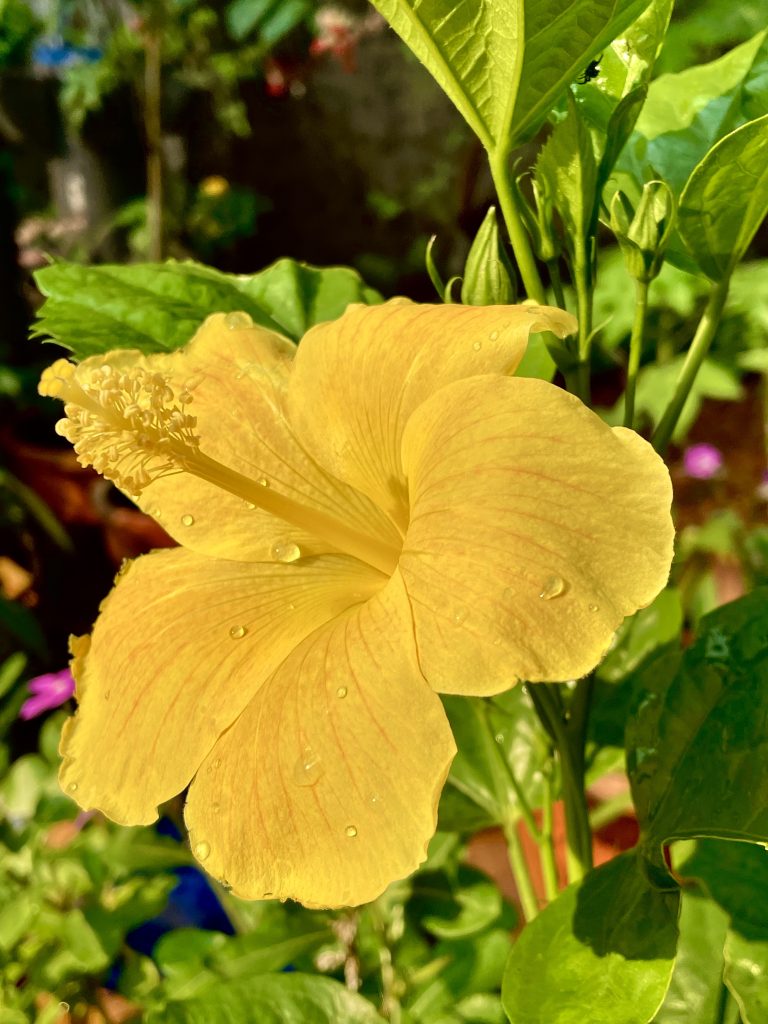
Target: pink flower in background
<point>48,691</point>
<point>702,461</point>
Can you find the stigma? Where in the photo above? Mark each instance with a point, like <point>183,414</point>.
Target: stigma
<point>128,422</point>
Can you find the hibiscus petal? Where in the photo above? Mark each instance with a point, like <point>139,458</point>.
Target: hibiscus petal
<point>356,381</point>
<point>325,789</point>
<point>535,528</point>
<point>236,377</point>
<point>181,645</point>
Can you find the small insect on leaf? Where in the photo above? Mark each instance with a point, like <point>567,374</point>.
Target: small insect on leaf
<point>590,72</point>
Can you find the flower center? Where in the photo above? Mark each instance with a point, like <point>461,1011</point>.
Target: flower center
<point>133,427</point>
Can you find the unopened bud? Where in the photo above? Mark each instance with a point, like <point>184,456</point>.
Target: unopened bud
<point>489,279</point>
<point>643,233</point>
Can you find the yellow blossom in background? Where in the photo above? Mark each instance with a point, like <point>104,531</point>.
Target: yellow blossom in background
<point>214,185</point>
<point>379,516</point>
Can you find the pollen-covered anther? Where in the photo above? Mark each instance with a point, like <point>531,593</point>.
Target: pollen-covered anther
<point>130,425</point>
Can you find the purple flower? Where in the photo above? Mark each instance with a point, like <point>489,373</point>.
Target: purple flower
<point>702,461</point>
<point>48,691</point>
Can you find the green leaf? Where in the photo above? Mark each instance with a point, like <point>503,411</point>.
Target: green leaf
<point>601,952</point>
<point>464,909</point>
<point>736,877</point>
<point>726,199</point>
<point>270,999</point>
<point>656,384</point>
<point>746,975</point>
<point>504,63</point>
<point>468,969</point>
<point>686,113</point>
<point>652,627</point>
<point>567,164</point>
<point>695,990</point>
<point>696,746</point>
<point>158,307</point>
<point>495,738</point>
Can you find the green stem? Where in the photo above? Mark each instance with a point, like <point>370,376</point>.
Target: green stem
<point>553,266</point>
<point>520,872</point>
<point>503,775</point>
<point>547,847</point>
<point>518,236</point>
<point>154,140</point>
<point>635,350</point>
<point>570,750</point>
<point>581,277</point>
<point>702,339</point>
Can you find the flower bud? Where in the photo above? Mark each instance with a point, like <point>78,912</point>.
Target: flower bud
<point>643,233</point>
<point>489,279</point>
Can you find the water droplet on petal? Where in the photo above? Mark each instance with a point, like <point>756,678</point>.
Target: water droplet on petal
<point>187,520</point>
<point>478,345</point>
<point>308,768</point>
<point>107,694</point>
<point>217,763</point>
<point>202,849</point>
<point>249,505</point>
<point>262,481</point>
<point>238,321</point>
<point>72,787</point>
<point>375,799</point>
<point>350,831</point>
<point>594,607</point>
<point>237,632</point>
<point>286,552</point>
<point>459,616</point>
<point>155,512</point>
<point>342,692</point>
<point>494,335</point>
<point>554,586</point>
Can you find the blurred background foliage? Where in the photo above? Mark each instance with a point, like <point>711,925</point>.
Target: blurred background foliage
<point>237,132</point>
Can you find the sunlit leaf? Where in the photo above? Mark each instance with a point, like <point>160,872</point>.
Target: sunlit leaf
<point>726,199</point>
<point>603,951</point>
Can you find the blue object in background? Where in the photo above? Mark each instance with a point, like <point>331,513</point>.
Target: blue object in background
<point>52,56</point>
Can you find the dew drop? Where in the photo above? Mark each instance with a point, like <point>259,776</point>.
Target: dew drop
<point>217,763</point>
<point>72,787</point>
<point>494,335</point>
<point>594,607</point>
<point>187,520</point>
<point>499,737</point>
<point>202,849</point>
<point>107,694</point>
<point>350,831</point>
<point>478,345</point>
<point>64,1007</point>
<point>459,616</point>
<point>286,552</point>
<point>554,586</point>
<point>155,512</point>
<point>262,481</point>
<point>342,692</point>
<point>308,768</point>
<point>375,798</point>
<point>237,632</point>
<point>238,321</point>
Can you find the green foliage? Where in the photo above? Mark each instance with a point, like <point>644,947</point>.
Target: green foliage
<point>271,999</point>
<point>158,307</point>
<point>686,113</point>
<point>693,744</point>
<point>726,199</point>
<point>505,68</point>
<point>18,27</point>
<point>603,951</point>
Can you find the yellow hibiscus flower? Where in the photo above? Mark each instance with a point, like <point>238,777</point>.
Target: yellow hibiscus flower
<point>379,516</point>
